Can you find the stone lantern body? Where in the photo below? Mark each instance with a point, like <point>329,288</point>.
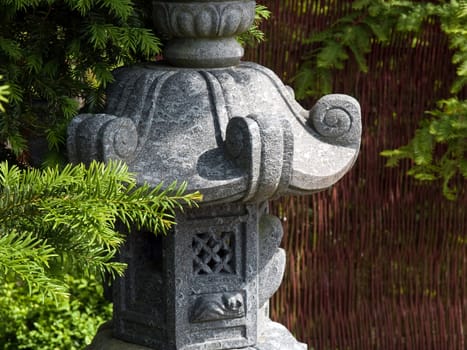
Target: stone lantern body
<point>235,133</point>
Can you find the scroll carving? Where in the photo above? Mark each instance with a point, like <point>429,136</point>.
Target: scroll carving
<point>336,118</point>
<point>119,139</point>
<point>111,138</point>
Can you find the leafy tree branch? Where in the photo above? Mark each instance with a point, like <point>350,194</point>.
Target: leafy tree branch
<point>54,222</point>
<point>373,22</point>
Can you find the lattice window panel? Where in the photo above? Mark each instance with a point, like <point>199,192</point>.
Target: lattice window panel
<point>214,253</point>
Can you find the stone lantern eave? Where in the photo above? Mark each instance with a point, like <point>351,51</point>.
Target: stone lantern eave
<point>229,132</point>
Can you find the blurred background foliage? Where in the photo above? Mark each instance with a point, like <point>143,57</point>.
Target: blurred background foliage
<point>28,321</point>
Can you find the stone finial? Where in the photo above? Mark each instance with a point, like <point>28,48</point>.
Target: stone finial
<point>202,33</point>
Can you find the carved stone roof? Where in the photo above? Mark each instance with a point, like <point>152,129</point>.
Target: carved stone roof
<point>232,133</point>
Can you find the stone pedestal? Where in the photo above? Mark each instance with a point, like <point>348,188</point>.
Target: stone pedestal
<point>274,337</point>
<point>234,132</point>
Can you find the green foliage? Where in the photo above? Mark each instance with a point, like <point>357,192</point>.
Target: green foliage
<point>254,34</point>
<point>373,22</point>
<point>29,322</point>
<point>448,128</point>
<point>454,24</point>
<point>352,36</point>
<point>54,222</point>
<point>57,56</point>
<point>4,92</point>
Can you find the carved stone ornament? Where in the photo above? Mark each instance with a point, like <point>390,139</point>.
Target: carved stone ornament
<point>217,306</point>
<point>203,32</point>
<point>235,133</point>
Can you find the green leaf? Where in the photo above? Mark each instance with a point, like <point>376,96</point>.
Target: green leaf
<point>422,146</point>
<point>103,74</point>
<point>122,9</point>
<point>463,167</point>
<point>4,92</point>
<point>361,4</point>
<point>99,34</point>
<point>394,156</point>
<point>27,256</point>
<point>254,34</point>
<point>33,62</point>
<point>381,31</point>
<point>459,84</point>
<point>303,80</point>
<point>462,68</point>
<point>360,59</point>
<point>11,48</point>
<point>332,55</point>
<point>83,6</point>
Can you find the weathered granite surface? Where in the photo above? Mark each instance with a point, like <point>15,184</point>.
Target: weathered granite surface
<point>235,133</point>
<point>208,282</point>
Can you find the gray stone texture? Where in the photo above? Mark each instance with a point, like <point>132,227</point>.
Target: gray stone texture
<point>204,292</point>
<point>235,133</point>
<point>216,270</point>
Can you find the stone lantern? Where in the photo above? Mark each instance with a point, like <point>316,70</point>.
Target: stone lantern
<point>235,133</point>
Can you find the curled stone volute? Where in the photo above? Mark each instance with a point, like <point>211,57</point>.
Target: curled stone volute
<point>263,147</point>
<point>335,118</point>
<point>102,137</point>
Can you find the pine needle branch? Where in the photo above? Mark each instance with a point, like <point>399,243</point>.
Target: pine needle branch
<point>55,221</point>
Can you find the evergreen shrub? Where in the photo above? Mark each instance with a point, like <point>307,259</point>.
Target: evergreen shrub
<point>28,321</point>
